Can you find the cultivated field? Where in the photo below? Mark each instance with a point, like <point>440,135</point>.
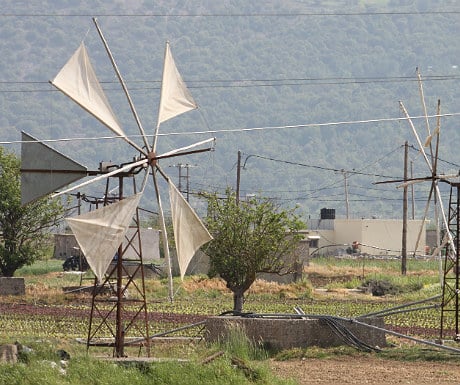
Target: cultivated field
<point>330,287</point>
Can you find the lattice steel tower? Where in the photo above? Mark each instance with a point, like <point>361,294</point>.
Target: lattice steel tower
<point>450,283</point>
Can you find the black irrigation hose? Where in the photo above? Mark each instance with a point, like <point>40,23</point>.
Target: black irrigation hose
<point>346,335</point>
<point>235,313</point>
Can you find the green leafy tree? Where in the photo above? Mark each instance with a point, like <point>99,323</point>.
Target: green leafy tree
<point>250,237</point>
<point>24,229</point>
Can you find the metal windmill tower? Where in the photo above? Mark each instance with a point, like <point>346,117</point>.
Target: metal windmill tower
<point>450,222</point>
<point>102,233</point>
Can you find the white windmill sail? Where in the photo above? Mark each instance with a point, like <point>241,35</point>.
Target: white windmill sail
<point>189,232</point>
<point>100,232</point>
<point>175,98</point>
<point>77,79</point>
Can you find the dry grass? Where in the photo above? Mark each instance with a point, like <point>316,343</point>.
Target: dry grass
<point>293,290</point>
<point>336,276</point>
<point>266,287</point>
<point>203,283</point>
<point>331,270</point>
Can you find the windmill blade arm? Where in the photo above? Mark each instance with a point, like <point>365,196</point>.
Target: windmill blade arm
<point>100,177</point>
<point>447,176</point>
<point>415,180</point>
<point>410,183</point>
<point>428,140</point>
<point>122,82</point>
<point>444,242</point>
<point>184,153</point>
<point>419,235</point>
<point>416,135</point>
<point>164,233</point>
<point>422,99</point>
<point>163,174</point>
<point>444,220</point>
<point>182,149</point>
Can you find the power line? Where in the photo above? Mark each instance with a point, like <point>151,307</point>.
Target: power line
<point>224,15</point>
<point>301,79</point>
<point>412,147</point>
<point>314,194</point>
<point>318,167</point>
<point>252,129</point>
<point>246,83</point>
<point>198,185</point>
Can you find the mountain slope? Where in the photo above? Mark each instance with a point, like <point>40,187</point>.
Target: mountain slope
<point>271,79</point>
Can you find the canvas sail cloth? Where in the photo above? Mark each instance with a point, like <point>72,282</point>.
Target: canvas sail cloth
<point>175,98</point>
<point>189,232</point>
<point>77,79</point>
<point>100,232</point>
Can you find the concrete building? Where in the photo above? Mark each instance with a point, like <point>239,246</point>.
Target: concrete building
<point>66,245</point>
<point>381,237</point>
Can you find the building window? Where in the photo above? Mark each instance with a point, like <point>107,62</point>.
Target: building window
<point>314,243</point>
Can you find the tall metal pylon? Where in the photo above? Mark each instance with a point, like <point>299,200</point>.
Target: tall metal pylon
<point>451,269</point>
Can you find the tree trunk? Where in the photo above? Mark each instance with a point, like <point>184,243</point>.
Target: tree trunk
<point>238,300</point>
<point>8,268</point>
<point>8,271</point>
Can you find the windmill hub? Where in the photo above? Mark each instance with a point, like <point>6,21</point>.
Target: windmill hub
<point>152,158</point>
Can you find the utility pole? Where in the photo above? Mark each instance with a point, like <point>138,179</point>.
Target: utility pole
<point>238,177</point>
<point>412,189</point>
<point>187,166</point>
<point>346,192</point>
<point>119,327</point>
<point>404,228</point>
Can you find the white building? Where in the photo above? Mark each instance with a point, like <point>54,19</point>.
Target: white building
<point>369,236</point>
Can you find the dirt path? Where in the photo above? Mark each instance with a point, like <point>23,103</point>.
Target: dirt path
<point>367,370</point>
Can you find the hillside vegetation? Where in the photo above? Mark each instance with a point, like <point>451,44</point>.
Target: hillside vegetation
<point>283,67</point>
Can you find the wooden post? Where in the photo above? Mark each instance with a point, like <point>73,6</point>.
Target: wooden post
<point>119,332</point>
<point>404,229</point>
<point>238,177</point>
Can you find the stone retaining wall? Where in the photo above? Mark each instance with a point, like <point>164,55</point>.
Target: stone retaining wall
<point>12,286</point>
<point>293,333</point>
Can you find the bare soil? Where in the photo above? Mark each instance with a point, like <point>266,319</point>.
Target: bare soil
<point>367,370</point>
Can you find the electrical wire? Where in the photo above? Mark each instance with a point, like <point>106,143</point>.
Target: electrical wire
<point>254,129</point>
<point>224,15</point>
<point>245,83</point>
<point>319,167</point>
<point>413,148</point>
<point>334,184</point>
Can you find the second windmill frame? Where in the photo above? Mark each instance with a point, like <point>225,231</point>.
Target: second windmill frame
<point>451,222</point>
